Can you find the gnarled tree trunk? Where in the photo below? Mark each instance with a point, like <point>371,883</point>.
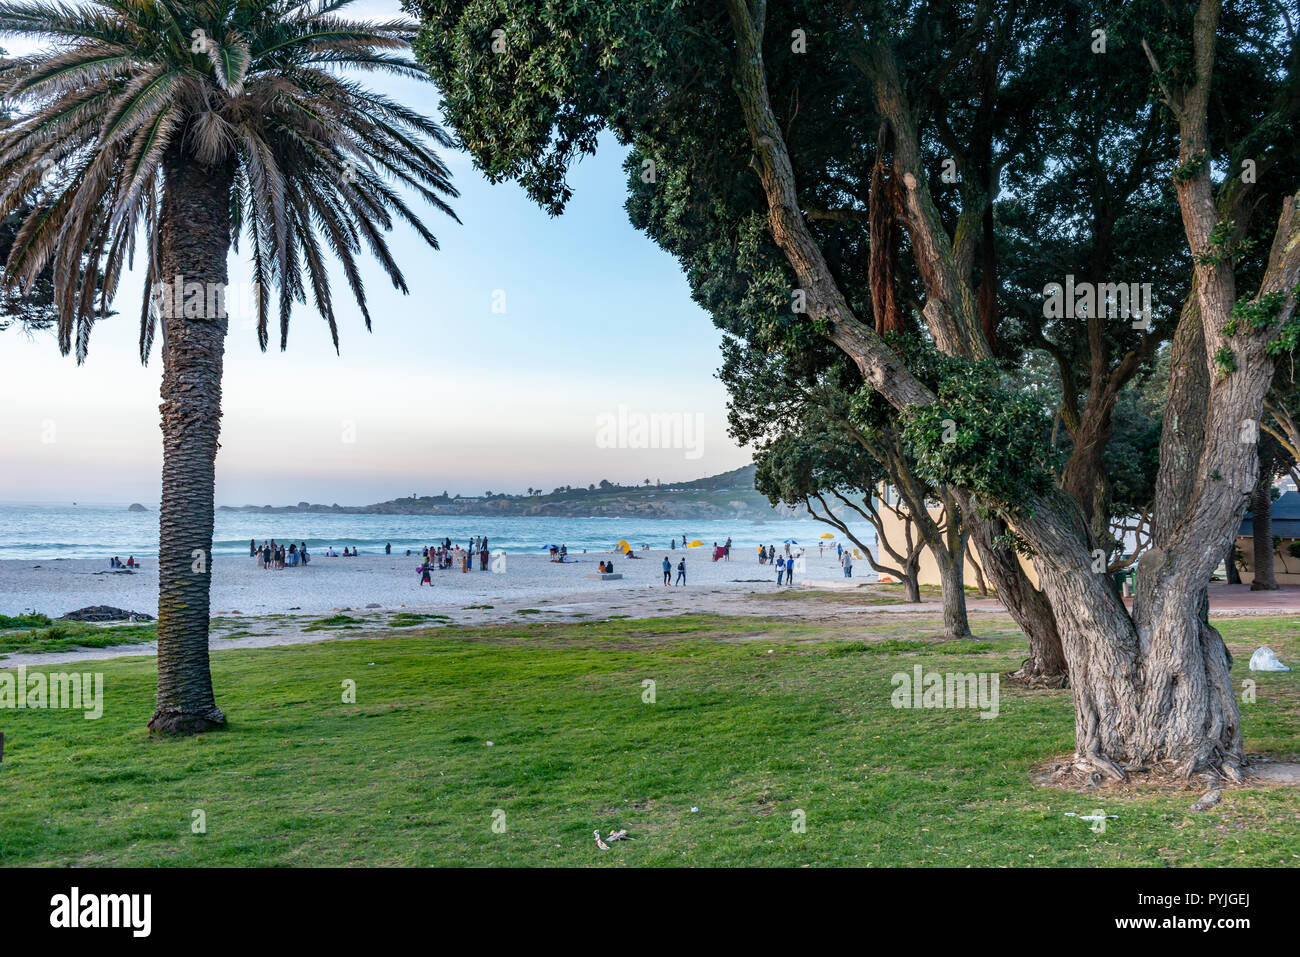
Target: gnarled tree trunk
<point>194,238</point>
<point>911,578</point>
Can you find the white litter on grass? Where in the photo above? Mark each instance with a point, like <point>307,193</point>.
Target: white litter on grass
<point>488,743</point>
<point>1264,659</point>
<point>1090,817</point>
<point>599,843</point>
<point>695,810</point>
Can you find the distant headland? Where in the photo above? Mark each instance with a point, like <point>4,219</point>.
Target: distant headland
<point>728,495</point>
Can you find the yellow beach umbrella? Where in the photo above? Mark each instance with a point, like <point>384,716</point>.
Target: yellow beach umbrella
<point>825,535</point>
<point>695,544</point>
<point>623,546</point>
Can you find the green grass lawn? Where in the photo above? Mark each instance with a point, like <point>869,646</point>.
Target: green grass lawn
<point>754,721</point>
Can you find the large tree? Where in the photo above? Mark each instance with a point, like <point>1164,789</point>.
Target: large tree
<point>184,124</point>
<point>1151,688</point>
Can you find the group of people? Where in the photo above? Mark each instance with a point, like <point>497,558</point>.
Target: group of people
<point>116,562</point>
<point>445,556</point>
<point>767,554</point>
<point>277,556</point>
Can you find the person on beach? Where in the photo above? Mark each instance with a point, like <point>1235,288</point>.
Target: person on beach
<point>668,570</point>
<point>726,549</point>
<point>780,569</point>
<point>252,547</point>
<point>388,548</point>
<point>846,559</point>
<point>681,572</point>
<point>302,553</point>
<point>789,573</point>
<point>424,575</point>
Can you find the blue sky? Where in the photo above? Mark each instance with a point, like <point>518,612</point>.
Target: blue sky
<point>443,394</point>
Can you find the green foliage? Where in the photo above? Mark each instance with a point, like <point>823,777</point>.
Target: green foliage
<point>1225,361</point>
<point>1185,172</point>
<point>979,434</point>
<point>33,620</point>
<point>1259,314</point>
<point>1084,162</point>
<point>1222,246</point>
<point>1269,306</point>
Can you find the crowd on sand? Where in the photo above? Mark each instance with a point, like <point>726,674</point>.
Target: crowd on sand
<point>445,556</point>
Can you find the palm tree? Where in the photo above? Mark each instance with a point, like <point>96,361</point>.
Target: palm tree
<point>187,124</point>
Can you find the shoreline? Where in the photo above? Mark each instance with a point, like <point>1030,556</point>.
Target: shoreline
<point>240,585</point>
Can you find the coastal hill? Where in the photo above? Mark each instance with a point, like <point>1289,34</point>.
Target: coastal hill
<point>728,495</point>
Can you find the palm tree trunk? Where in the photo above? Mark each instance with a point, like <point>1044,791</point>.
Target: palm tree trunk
<point>1261,504</point>
<point>194,240</point>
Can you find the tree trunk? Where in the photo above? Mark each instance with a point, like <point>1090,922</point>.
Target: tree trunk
<point>194,234</point>
<point>980,584</point>
<point>1261,507</point>
<point>912,578</point>
<point>1230,564</point>
<point>955,623</point>
<point>1046,665</point>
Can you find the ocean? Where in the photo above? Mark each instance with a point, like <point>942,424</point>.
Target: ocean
<point>99,531</point>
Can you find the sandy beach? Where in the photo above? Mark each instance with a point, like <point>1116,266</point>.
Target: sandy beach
<point>241,585</point>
